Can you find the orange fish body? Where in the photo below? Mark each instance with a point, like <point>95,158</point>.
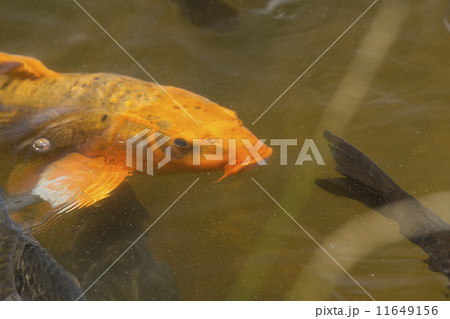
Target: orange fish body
<point>87,119</point>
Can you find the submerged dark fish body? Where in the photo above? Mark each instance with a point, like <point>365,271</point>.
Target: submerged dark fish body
<point>28,271</point>
<point>107,231</point>
<point>365,182</point>
<point>212,14</point>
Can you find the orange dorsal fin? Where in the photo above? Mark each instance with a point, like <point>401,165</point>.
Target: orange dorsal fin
<point>23,67</point>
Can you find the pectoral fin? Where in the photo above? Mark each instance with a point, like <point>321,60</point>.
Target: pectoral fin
<point>75,181</point>
<point>23,67</point>
<point>25,176</point>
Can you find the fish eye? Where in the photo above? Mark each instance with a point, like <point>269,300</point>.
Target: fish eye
<point>180,142</point>
<point>41,145</point>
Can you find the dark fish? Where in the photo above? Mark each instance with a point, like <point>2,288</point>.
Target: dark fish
<point>28,271</point>
<point>102,234</point>
<point>212,14</point>
<point>138,275</point>
<point>365,182</point>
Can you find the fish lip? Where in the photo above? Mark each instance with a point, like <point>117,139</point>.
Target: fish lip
<point>236,168</point>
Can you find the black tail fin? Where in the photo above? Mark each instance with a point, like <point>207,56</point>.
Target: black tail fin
<point>364,180</point>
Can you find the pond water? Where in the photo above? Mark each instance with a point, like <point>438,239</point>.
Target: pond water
<point>384,86</point>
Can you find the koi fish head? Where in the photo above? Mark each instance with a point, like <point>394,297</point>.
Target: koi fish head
<point>201,135</point>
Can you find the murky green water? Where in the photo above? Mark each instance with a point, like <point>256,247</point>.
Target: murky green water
<point>230,240</point>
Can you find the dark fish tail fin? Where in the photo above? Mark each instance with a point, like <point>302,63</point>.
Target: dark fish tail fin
<point>367,183</point>
<point>364,180</point>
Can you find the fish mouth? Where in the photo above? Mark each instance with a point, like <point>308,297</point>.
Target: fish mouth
<point>244,165</point>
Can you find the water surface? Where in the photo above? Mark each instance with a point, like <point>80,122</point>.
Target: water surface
<point>230,240</point>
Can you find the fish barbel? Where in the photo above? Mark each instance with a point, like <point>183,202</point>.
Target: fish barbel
<point>72,131</point>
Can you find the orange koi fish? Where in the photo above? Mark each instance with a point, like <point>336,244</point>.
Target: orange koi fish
<point>71,130</point>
